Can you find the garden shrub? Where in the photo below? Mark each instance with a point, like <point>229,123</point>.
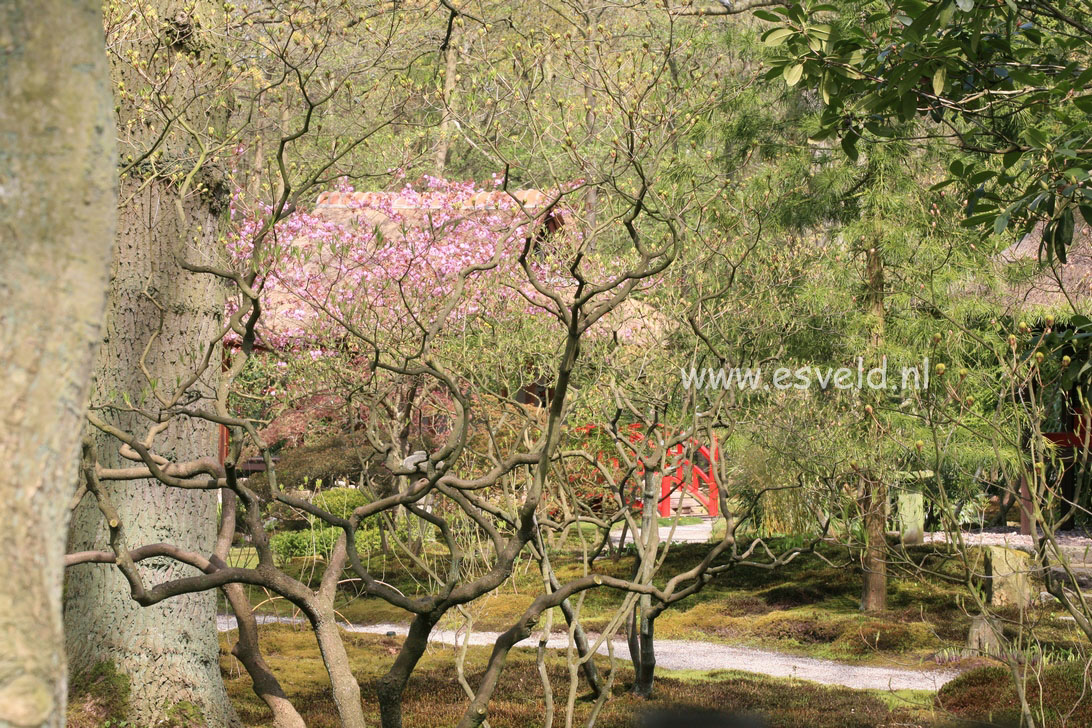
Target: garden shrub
<point>320,541</point>
<point>299,544</point>
<point>341,502</point>
<point>792,595</point>
<point>884,636</point>
<point>801,631</point>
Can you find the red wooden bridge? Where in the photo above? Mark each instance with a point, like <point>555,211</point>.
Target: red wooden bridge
<point>684,478</point>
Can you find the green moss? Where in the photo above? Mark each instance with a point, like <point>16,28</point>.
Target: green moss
<point>183,715</point>
<point>988,694</point>
<point>98,698</point>
<point>434,699</point>
<point>809,607</point>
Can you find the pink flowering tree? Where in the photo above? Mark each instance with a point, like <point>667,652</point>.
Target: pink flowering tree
<point>445,301</point>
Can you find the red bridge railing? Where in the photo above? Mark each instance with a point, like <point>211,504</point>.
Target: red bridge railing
<point>684,477</point>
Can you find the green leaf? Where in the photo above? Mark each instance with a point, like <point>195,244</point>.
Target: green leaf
<point>1063,234</point>
<point>946,14</point>
<point>940,77</point>
<point>849,146</point>
<point>965,5</point>
<point>793,73</point>
<point>1086,213</point>
<point>980,219</point>
<point>767,16</point>
<point>777,36</point>
<point>1001,223</point>
<point>1035,137</point>
<point>1084,104</point>
<point>909,106</point>
<point>826,86</point>
<point>1011,157</point>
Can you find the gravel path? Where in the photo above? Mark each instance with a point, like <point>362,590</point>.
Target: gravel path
<point>687,655</point>
<point>1076,545</point>
<point>1012,538</point>
<point>692,533</point>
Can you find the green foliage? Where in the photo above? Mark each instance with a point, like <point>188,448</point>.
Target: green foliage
<point>319,540</point>
<point>306,543</point>
<point>1005,81</point>
<point>341,502</point>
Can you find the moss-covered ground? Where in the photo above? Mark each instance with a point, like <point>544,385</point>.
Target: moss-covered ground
<point>809,606</point>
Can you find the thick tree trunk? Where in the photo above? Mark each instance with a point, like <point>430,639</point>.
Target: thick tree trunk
<point>159,321</point>
<point>57,202</point>
<point>169,651</point>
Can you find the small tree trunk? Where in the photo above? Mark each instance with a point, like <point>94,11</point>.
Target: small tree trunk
<point>246,650</point>
<point>873,560</point>
<point>451,64</point>
<point>393,684</point>
<point>642,647</point>
<point>57,203</point>
<point>583,649</point>
<point>642,620</point>
<point>345,687</point>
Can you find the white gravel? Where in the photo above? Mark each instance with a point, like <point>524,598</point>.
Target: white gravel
<point>691,533</point>
<point>1076,544</point>
<point>688,655</point>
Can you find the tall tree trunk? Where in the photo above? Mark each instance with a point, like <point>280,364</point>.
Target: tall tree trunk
<point>873,560</point>
<point>159,320</point>
<point>169,650</point>
<point>57,202</point>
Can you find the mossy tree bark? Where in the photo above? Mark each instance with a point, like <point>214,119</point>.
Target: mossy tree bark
<point>57,202</point>
<point>160,319</point>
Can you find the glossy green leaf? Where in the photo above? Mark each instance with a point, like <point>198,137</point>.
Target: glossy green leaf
<point>777,36</point>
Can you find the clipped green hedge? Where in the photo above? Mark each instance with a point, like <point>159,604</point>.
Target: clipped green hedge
<point>320,541</point>
<point>340,502</point>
